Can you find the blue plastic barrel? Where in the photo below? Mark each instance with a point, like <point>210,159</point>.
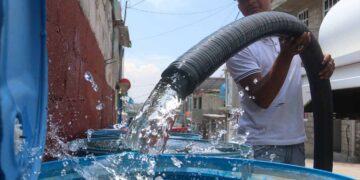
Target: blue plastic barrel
<point>133,165</point>
<point>23,87</point>
<point>177,135</point>
<point>114,133</point>
<point>106,146</point>
<point>107,133</point>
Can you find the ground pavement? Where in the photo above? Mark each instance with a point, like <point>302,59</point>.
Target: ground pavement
<point>347,169</point>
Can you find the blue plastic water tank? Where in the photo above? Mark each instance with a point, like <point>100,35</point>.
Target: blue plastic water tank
<point>23,87</point>
<point>131,165</point>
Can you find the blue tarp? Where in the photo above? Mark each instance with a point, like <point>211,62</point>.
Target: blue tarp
<point>23,86</point>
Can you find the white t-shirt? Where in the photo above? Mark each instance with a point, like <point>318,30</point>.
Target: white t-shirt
<point>282,123</point>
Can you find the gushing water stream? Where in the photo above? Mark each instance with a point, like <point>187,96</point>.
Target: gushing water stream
<point>148,132</point>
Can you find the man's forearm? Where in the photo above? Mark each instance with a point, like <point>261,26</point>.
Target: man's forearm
<point>269,86</point>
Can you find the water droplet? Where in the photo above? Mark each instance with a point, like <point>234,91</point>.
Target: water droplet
<point>69,123</point>
<point>100,106</point>
<point>63,172</point>
<point>176,162</point>
<point>272,157</point>
<point>89,133</point>
<point>242,112</point>
<point>69,68</point>
<point>89,77</point>
<point>95,87</point>
<point>118,126</point>
<point>247,88</point>
<point>255,81</point>
<point>131,156</point>
<point>65,163</point>
<point>241,93</point>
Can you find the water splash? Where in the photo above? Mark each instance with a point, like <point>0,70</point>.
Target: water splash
<point>272,157</point>
<point>239,135</point>
<point>77,145</point>
<point>176,162</point>
<point>89,77</point>
<point>148,132</point>
<point>89,133</point>
<point>119,126</point>
<point>215,139</point>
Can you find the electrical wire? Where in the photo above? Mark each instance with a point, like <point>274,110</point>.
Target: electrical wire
<point>180,27</point>
<point>139,2</point>
<point>179,13</point>
<point>227,16</point>
<point>237,15</point>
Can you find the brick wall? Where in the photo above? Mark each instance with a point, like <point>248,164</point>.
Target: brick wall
<point>72,51</point>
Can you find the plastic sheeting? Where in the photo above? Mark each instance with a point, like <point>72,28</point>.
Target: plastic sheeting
<point>23,87</point>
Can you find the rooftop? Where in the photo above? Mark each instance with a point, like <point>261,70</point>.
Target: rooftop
<point>211,84</point>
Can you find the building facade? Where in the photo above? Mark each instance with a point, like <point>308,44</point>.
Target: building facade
<point>207,108</point>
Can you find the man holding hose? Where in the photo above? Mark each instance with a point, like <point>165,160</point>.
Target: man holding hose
<point>269,73</point>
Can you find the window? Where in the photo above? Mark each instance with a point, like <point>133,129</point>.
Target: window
<point>304,16</point>
<point>328,4</point>
<point>200,102</point>
<point>195,102</point>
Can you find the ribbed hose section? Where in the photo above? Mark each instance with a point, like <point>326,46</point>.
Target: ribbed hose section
<point>197,64</point>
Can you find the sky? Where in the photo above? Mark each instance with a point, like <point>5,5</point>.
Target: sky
<point>162,30</point>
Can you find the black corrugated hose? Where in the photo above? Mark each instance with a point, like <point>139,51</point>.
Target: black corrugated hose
<point>197,64</point>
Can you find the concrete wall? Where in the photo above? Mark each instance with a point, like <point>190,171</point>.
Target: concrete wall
<point>349,139</point>
<point>211,104</point>
<point>309,129</point>
<point>357,140</point>
<point>100,15</point>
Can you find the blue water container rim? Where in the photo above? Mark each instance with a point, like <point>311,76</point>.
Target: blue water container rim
<point>56,165</point>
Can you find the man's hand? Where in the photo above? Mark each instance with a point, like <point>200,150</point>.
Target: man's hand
<point>292,46</point>
<point>329,67</point>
